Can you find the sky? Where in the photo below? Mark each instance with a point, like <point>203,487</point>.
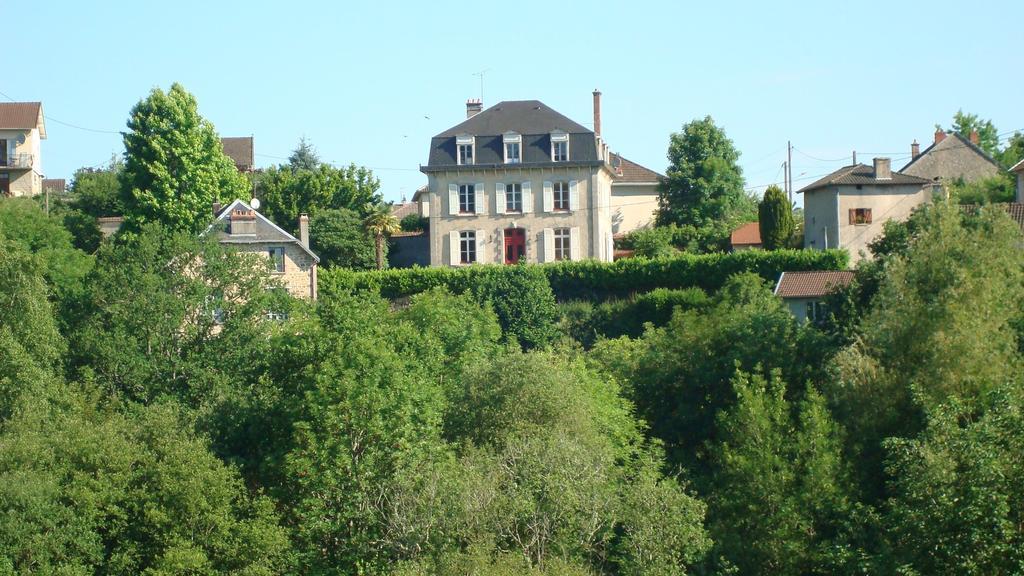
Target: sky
<point>370,83</point>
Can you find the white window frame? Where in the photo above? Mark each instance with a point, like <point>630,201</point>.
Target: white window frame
<point>467,199</point>
<point>468,142</point>
<point>468,247</point>
<point>562,238</point>
<point>559,138</point>
<point>560,188</point>
<point>513,198</point>
<point>512,138</point>
<point>278,263</point>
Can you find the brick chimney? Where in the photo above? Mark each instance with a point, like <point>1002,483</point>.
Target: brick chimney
<point>915,150</point>
<point>883,169</point>
<point>304,230</point>
<point>474,106</point>
<point>974,137</point>
<point>243,221</point>
<point>597,112</point>
<point>940,135</point>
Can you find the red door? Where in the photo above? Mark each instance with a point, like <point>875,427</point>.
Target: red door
<point>515,245</point>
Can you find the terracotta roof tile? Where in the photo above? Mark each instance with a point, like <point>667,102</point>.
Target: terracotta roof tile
<point>20,115</point>
<point>1014,209</point>
<point>812,284</point>
<point>629,171</point>
<point>57,185</point>
<point>747,235</point>
<point>404,209</point>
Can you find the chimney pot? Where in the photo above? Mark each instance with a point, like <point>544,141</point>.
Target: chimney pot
<point>304,230</point>
<point>597,112</point>
<point>915,150</point>
<point>974,137</point>
<point>474,106</point>
<point>940,135</point>
<point>883,169</point>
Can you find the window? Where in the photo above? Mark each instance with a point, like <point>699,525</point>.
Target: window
<point>467,247</point>
<point>562,244</point>
<point>276,254</point>
<point>860,216</point>
<point>464,145</point>
<point>561,190</point>
<point>513,197</point>
<point>276,316</point>
<point>559,147</point>
<point>513,151</point>
<point>467,199</point>
<point>817,312</point>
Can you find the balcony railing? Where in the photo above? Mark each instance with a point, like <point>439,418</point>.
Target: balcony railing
<point>16,161</point>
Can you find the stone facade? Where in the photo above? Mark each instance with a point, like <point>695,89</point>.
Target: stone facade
<point>952,157</point>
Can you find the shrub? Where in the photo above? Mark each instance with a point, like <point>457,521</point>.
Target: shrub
<point>585,322</point>
<point>414,223</point>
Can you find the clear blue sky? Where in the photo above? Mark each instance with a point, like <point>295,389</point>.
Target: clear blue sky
<point>371,83</point>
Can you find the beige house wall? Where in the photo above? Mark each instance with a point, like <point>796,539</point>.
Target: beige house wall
<point>829,208</point>
<point>594,190</point>
<point>25,181</point>
<point>634,206</point>
<point>299,276</point>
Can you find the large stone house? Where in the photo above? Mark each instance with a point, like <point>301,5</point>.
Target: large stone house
<point>249,231</point>
<point>22,128</point>
<point>848,208</point>
<point>949,158</point>
<point>521,182</point>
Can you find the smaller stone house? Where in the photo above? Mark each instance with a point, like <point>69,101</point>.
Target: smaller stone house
<point>293,262</point>
<point>804,292</point>
<point>951,157</point>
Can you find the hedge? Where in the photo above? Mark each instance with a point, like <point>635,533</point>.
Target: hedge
<point>593,280</point>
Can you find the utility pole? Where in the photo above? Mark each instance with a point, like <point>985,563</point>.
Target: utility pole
<point>789,170</point>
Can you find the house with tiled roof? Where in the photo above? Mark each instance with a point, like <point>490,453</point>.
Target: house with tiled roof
<point>54,185</point>
<point>241,151</point>
<point>242,227</point>
<point>634,195</point>
<point>521,182</point>
<point>746,237</point>
<point>951,157</point>
<point>849,207</point>
<point>804,292</point>
<point>22,129</point>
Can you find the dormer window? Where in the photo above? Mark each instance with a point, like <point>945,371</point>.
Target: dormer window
<point>465,145</point>
<point>559,147</point>
<point>513,148</point>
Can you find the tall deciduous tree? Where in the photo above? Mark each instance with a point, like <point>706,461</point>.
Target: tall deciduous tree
<point>775,219</point>
<point>988,135</point>
<point>704,183</point>
<point>175,167</point>
<point>286,193</point>
<point>339,238</point>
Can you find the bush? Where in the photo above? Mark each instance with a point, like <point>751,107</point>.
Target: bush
<point>414,223</point>
<point>586,322</point>
<point>593,280</point>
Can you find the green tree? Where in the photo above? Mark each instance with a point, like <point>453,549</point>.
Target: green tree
<point>286,193</point>
<point>523,301</point>
<point>957,504</point>
<point>1014,150</point>
<point>414,223</point>
<point>339,238</point>
<point>380,223</point>
<point>97,192</point>
<point>775,219</point>
<point>175,168</point>
<point>704,183</point>
<point>304,157</point>
<point>988,135</point>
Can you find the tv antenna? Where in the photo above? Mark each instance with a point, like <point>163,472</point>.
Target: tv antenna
<point>481,75</point>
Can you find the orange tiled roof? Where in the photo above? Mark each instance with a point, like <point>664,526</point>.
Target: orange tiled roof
<point>747,235</point>
<point>812,284</point>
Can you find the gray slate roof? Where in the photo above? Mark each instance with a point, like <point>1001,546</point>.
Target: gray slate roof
<point>953,157</point>
<point>861,174</point>
<point>531,118</point>
<point>266,231</point>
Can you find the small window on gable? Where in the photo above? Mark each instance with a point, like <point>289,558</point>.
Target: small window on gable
<point>559,147</point>
<point>466,148</point>
<point>860,216</point>
<point>513,148</point>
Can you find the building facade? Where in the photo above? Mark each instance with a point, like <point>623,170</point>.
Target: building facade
<point>849,207</point>
<point>804,293</point>
<point>22,129</point>
<point>951,157</point>
<point>521,182</point>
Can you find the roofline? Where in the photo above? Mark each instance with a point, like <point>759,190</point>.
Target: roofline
<point>291,238</point>
<point>1018,167</point>
<point>886,182</point>
<point>777,284</point>
<point>960,137</point>
<point>635,183</point>
<point>528,165</point>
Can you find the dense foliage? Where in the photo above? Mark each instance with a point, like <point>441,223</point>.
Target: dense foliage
<point>338,237</point>
<point>775,219</point>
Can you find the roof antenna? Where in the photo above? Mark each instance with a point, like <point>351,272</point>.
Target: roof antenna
<point>481,75</point>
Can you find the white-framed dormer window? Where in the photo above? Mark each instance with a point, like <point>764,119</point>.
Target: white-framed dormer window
<point>465,147</point>
<point>513,148</point>
<point>559,147</point>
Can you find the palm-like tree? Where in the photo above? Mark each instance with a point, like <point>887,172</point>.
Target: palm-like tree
<point>381,222</point>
